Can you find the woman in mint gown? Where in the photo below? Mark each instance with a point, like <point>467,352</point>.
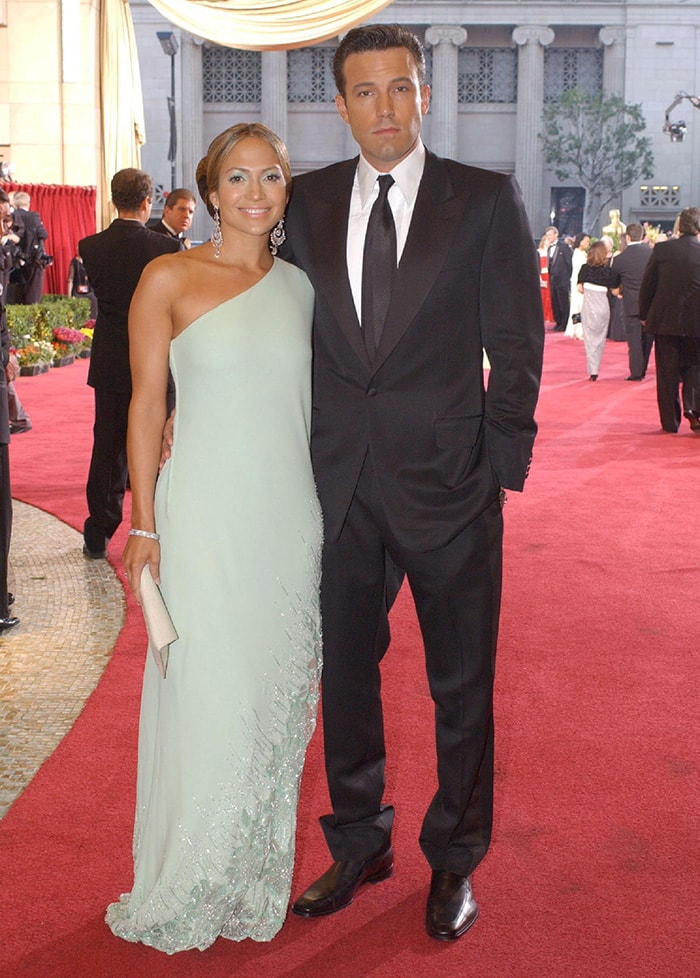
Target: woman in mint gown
<point>223,735</point>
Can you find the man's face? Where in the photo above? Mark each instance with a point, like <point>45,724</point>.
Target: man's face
<point>384,104</point>
<point>179,216</point>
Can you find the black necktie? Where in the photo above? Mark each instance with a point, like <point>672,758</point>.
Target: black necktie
<point>378,266</point>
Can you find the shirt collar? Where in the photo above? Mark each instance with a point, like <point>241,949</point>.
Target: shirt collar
<point>165,224</point>
<point>407,175</point>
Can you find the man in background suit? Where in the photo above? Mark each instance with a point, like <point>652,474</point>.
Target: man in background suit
<point>630,265</point>
<point>410,454</point>
<point>667,294</point>
<point>560,260</point>
<point>28,277</point>
<point>114,260</point>
<point>178,212</point>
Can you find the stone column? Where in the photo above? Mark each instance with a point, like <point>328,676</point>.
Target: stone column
<point>613,38</point>
<point>190,128</point>
<point>529,162</point>
<point>445,42</point>
<point>273,106</point>
<point>191,103</point>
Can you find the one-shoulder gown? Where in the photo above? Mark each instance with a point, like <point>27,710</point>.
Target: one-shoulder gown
<point>222,738</point>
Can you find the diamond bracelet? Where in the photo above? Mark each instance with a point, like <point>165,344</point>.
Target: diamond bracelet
<point>144,533</point>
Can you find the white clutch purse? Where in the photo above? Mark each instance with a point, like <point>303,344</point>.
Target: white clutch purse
<point>159,626</point>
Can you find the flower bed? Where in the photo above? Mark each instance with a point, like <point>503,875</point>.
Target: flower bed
<point>45,333</point>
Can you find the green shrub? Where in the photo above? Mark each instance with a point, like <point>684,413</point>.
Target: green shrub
<point>79,308</point>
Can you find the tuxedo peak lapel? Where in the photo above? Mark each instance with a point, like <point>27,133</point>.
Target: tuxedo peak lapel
<point>437,215</point>
<point>330,212</point>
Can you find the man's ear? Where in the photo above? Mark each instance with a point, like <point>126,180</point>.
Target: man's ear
<point>341,107</point>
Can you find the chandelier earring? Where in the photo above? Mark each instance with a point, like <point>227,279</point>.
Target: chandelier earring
<point>217,238</point>
<point>277,236</point>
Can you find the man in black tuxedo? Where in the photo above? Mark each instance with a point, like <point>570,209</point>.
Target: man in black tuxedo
<point>178,211</point>
<point>410,454</point>
<point>630,265</point>
<point>668,310</point>
<point>114,260</point>
<point>560,259</point>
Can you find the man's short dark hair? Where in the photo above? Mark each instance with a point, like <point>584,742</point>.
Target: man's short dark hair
<point>129,188</point>
<point>635,232</point>
<point>377,37</point>
<point>180,193</point>
<point>689,221</point>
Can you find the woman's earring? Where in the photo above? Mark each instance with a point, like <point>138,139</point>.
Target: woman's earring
<point>277,236</point>
<point>217,238</point>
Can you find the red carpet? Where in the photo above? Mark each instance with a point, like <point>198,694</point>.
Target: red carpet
<point>594,868</point>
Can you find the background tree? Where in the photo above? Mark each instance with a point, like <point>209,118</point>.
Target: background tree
<point>596,141</point>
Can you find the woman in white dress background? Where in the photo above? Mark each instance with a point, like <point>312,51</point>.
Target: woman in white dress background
<point>582,243</point>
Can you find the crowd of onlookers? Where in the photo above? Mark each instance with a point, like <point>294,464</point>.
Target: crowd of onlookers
<point>645,281</point>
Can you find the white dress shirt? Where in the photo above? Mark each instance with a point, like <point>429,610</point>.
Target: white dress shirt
<point>402,198</point>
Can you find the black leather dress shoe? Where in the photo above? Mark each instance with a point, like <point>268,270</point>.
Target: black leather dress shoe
<point>93,554</point>
<point>694,420</point>
<point>337,887</point>
<point>451,907</point>
<point>6,623</point>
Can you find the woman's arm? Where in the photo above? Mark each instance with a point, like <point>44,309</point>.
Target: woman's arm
<point>150,333</point>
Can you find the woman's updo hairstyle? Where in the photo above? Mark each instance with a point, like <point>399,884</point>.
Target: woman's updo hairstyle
<point>209,168</point>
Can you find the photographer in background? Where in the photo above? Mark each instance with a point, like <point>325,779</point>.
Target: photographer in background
<point>27,283</point>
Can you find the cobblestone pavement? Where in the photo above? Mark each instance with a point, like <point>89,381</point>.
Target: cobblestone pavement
<point>71,611</point>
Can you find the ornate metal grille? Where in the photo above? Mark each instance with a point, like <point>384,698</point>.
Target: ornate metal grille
<point>159,195</point>
<point>659,196</point>
<point>488,75</point>
<point>230,75</point>
<point>567,68</point>
<point>310,75</point>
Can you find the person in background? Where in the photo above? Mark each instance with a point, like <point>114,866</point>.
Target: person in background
<point>543,255</point>
<point>78,283</point>
<point>559,277</point>
<point>582,242</point>
<point>114,260</point>
<point>7,620</point>
<point>178,212</point>
<point>28,275</point>
<point>666,296</point>
<point>630,265</point>
<point>594,280</point>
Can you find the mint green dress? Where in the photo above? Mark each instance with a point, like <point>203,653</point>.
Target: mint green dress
<point>222,738</point>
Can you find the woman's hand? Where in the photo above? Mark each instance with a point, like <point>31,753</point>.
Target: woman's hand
<point>139,552</point>
<point>167,442</point>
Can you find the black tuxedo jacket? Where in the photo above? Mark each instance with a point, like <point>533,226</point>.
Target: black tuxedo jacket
<point>560,264</point>
<point>630,265</point>
<point>161,228</point>
<point>31,232</point>
<point>670,279</point>
<point>441,445</point>
<point>114,260</point>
